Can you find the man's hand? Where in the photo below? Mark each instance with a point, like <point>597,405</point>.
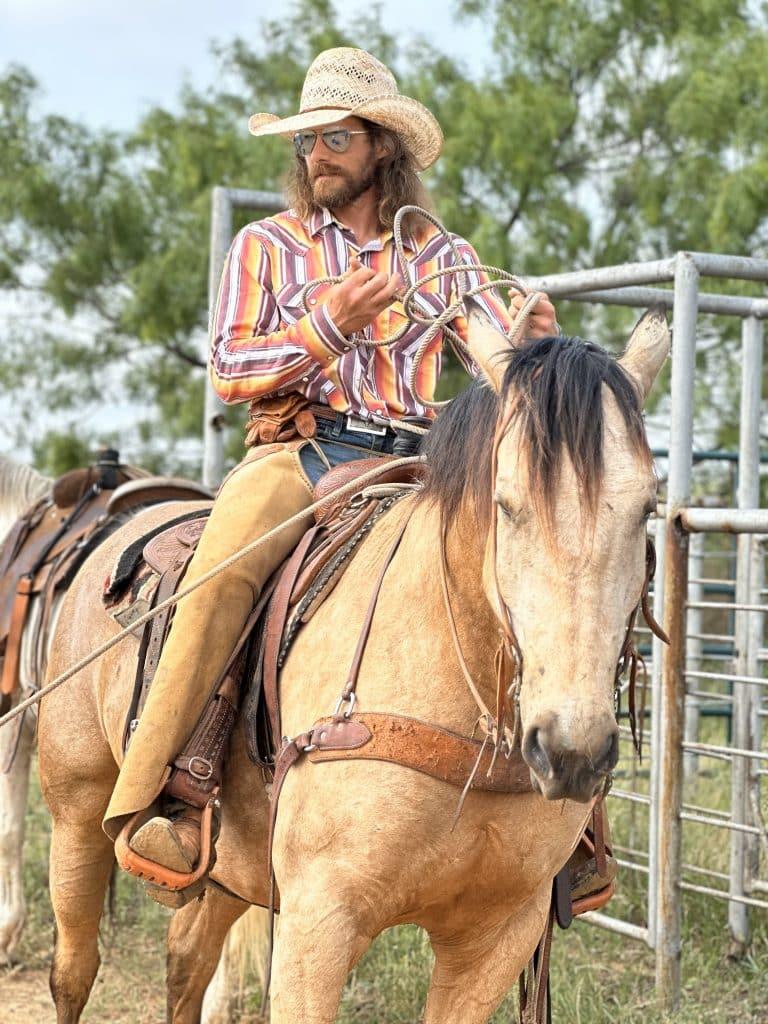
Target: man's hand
<point>542,321</point>
<point>357,300</point>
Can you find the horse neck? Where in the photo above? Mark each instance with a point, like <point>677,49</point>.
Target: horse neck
<point>476,624</point>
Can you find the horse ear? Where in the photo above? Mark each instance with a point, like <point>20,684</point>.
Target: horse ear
<point>647,349</point>
<point>487,345</point>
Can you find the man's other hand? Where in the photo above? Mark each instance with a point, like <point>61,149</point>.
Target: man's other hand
<point>356,301</point>
<point>542,321</point>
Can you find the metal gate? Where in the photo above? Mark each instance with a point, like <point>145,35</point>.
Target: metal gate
<point>709,594</point>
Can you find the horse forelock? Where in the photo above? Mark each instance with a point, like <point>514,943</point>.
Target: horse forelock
<point>555,387</point>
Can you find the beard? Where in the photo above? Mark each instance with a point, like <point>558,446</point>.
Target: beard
<point>342,189</point>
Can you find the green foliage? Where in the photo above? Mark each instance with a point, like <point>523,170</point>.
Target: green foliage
<point>57,452</point>
<point>594,134</point>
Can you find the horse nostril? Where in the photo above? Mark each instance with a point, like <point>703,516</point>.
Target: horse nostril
<point>607,758</point>
<point>535,755</point>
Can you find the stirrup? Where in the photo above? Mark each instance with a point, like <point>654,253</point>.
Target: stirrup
<point>598,898</point>
<point>173,888</point>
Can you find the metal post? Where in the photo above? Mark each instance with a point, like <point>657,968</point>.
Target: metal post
<point>694,647</point>
<point>743,697</point>
<point>213,427</point>
<point>675,595</point>
<point>656,668</point>
<point>756,631</point>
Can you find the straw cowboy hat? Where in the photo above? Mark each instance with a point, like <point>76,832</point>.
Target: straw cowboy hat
<point>345,81</point>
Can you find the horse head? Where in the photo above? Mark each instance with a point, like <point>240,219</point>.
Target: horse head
<point>572,488</point>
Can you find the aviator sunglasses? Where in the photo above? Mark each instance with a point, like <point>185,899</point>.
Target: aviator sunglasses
<point>336,139</point>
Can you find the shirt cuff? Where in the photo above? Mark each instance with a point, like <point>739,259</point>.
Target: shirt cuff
<point>321,337</point>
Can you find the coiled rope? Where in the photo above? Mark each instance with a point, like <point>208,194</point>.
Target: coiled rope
<point>441,322</point>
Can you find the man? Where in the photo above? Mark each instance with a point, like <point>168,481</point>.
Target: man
<point>359,145</point>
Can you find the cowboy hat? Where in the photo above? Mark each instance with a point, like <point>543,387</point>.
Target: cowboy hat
<point>344,81</point>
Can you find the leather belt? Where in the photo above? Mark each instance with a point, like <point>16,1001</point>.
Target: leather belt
<point>345,421</point>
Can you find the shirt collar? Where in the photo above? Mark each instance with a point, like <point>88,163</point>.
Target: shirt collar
<point>323,218</point>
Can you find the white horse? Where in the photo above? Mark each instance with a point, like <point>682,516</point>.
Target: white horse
<point>20,487</point>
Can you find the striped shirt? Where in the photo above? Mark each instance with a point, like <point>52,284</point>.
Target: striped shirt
<point>264,343</point>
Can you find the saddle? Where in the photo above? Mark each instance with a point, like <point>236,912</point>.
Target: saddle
<point>51,540</point>
<point>152,568</point>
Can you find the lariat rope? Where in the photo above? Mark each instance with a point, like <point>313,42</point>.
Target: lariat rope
<point>353,486</point>
<point>435,324</point>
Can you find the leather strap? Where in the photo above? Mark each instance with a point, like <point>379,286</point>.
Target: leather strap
<point>13,744</point>
<point>11,662</point>
<point>534,983</point>
<point>158,626</point>
<point>430,749</point>
<point>278,613</point>
<point>350,686</point>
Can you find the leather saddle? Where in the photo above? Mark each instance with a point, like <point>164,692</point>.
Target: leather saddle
<point>48,544</point>
<point>153,567</point>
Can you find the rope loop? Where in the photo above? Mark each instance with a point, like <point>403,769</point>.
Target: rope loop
<point>440,322</point>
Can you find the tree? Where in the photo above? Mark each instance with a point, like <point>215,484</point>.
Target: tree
<point>596,133</point>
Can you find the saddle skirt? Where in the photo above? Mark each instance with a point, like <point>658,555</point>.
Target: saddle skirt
<point>46,547</point>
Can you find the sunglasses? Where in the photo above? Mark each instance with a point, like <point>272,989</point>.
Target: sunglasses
<point>336,139</point>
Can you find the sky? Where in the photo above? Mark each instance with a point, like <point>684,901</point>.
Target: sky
<point>108,63</point>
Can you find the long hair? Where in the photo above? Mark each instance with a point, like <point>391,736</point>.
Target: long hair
<point>395,180</point>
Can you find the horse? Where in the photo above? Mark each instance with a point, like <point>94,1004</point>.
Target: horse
<point>21,487</point>
<point>539,489</point>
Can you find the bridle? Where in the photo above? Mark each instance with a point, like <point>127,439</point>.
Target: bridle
<point>503,728</point>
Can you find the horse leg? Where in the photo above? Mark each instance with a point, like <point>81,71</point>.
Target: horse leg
<point>195,940</point>
<point>81,863</point>
<point>476,968</point>
<point>245,946</point>
<point>13,804</point>
<point>319,940</point>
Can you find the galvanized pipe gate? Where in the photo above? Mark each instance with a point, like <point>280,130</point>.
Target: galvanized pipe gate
<point>678,672</point>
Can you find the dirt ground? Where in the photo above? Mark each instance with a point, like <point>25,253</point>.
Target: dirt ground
<point>25,999</point>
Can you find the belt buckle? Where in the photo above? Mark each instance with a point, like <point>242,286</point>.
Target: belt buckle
<point>357,425</point>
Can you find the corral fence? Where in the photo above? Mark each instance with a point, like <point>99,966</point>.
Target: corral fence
<point>710,595</point>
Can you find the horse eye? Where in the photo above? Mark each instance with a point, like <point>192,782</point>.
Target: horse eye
<point>505,508</point>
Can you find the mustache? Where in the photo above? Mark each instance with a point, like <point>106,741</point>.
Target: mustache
<point>326,169</point>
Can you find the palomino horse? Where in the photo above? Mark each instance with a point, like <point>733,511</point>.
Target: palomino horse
<point>20,487</point>
<point>361,846</point>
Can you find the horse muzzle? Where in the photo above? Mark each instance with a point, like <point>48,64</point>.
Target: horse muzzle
<point>562,770</point>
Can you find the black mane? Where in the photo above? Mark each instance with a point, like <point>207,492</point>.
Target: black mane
<point>556,384</point>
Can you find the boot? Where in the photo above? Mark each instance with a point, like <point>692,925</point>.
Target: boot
<point>586,880</point>
<point>172,842</point>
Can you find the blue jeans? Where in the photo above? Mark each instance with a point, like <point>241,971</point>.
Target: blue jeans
<point>336,452</point>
